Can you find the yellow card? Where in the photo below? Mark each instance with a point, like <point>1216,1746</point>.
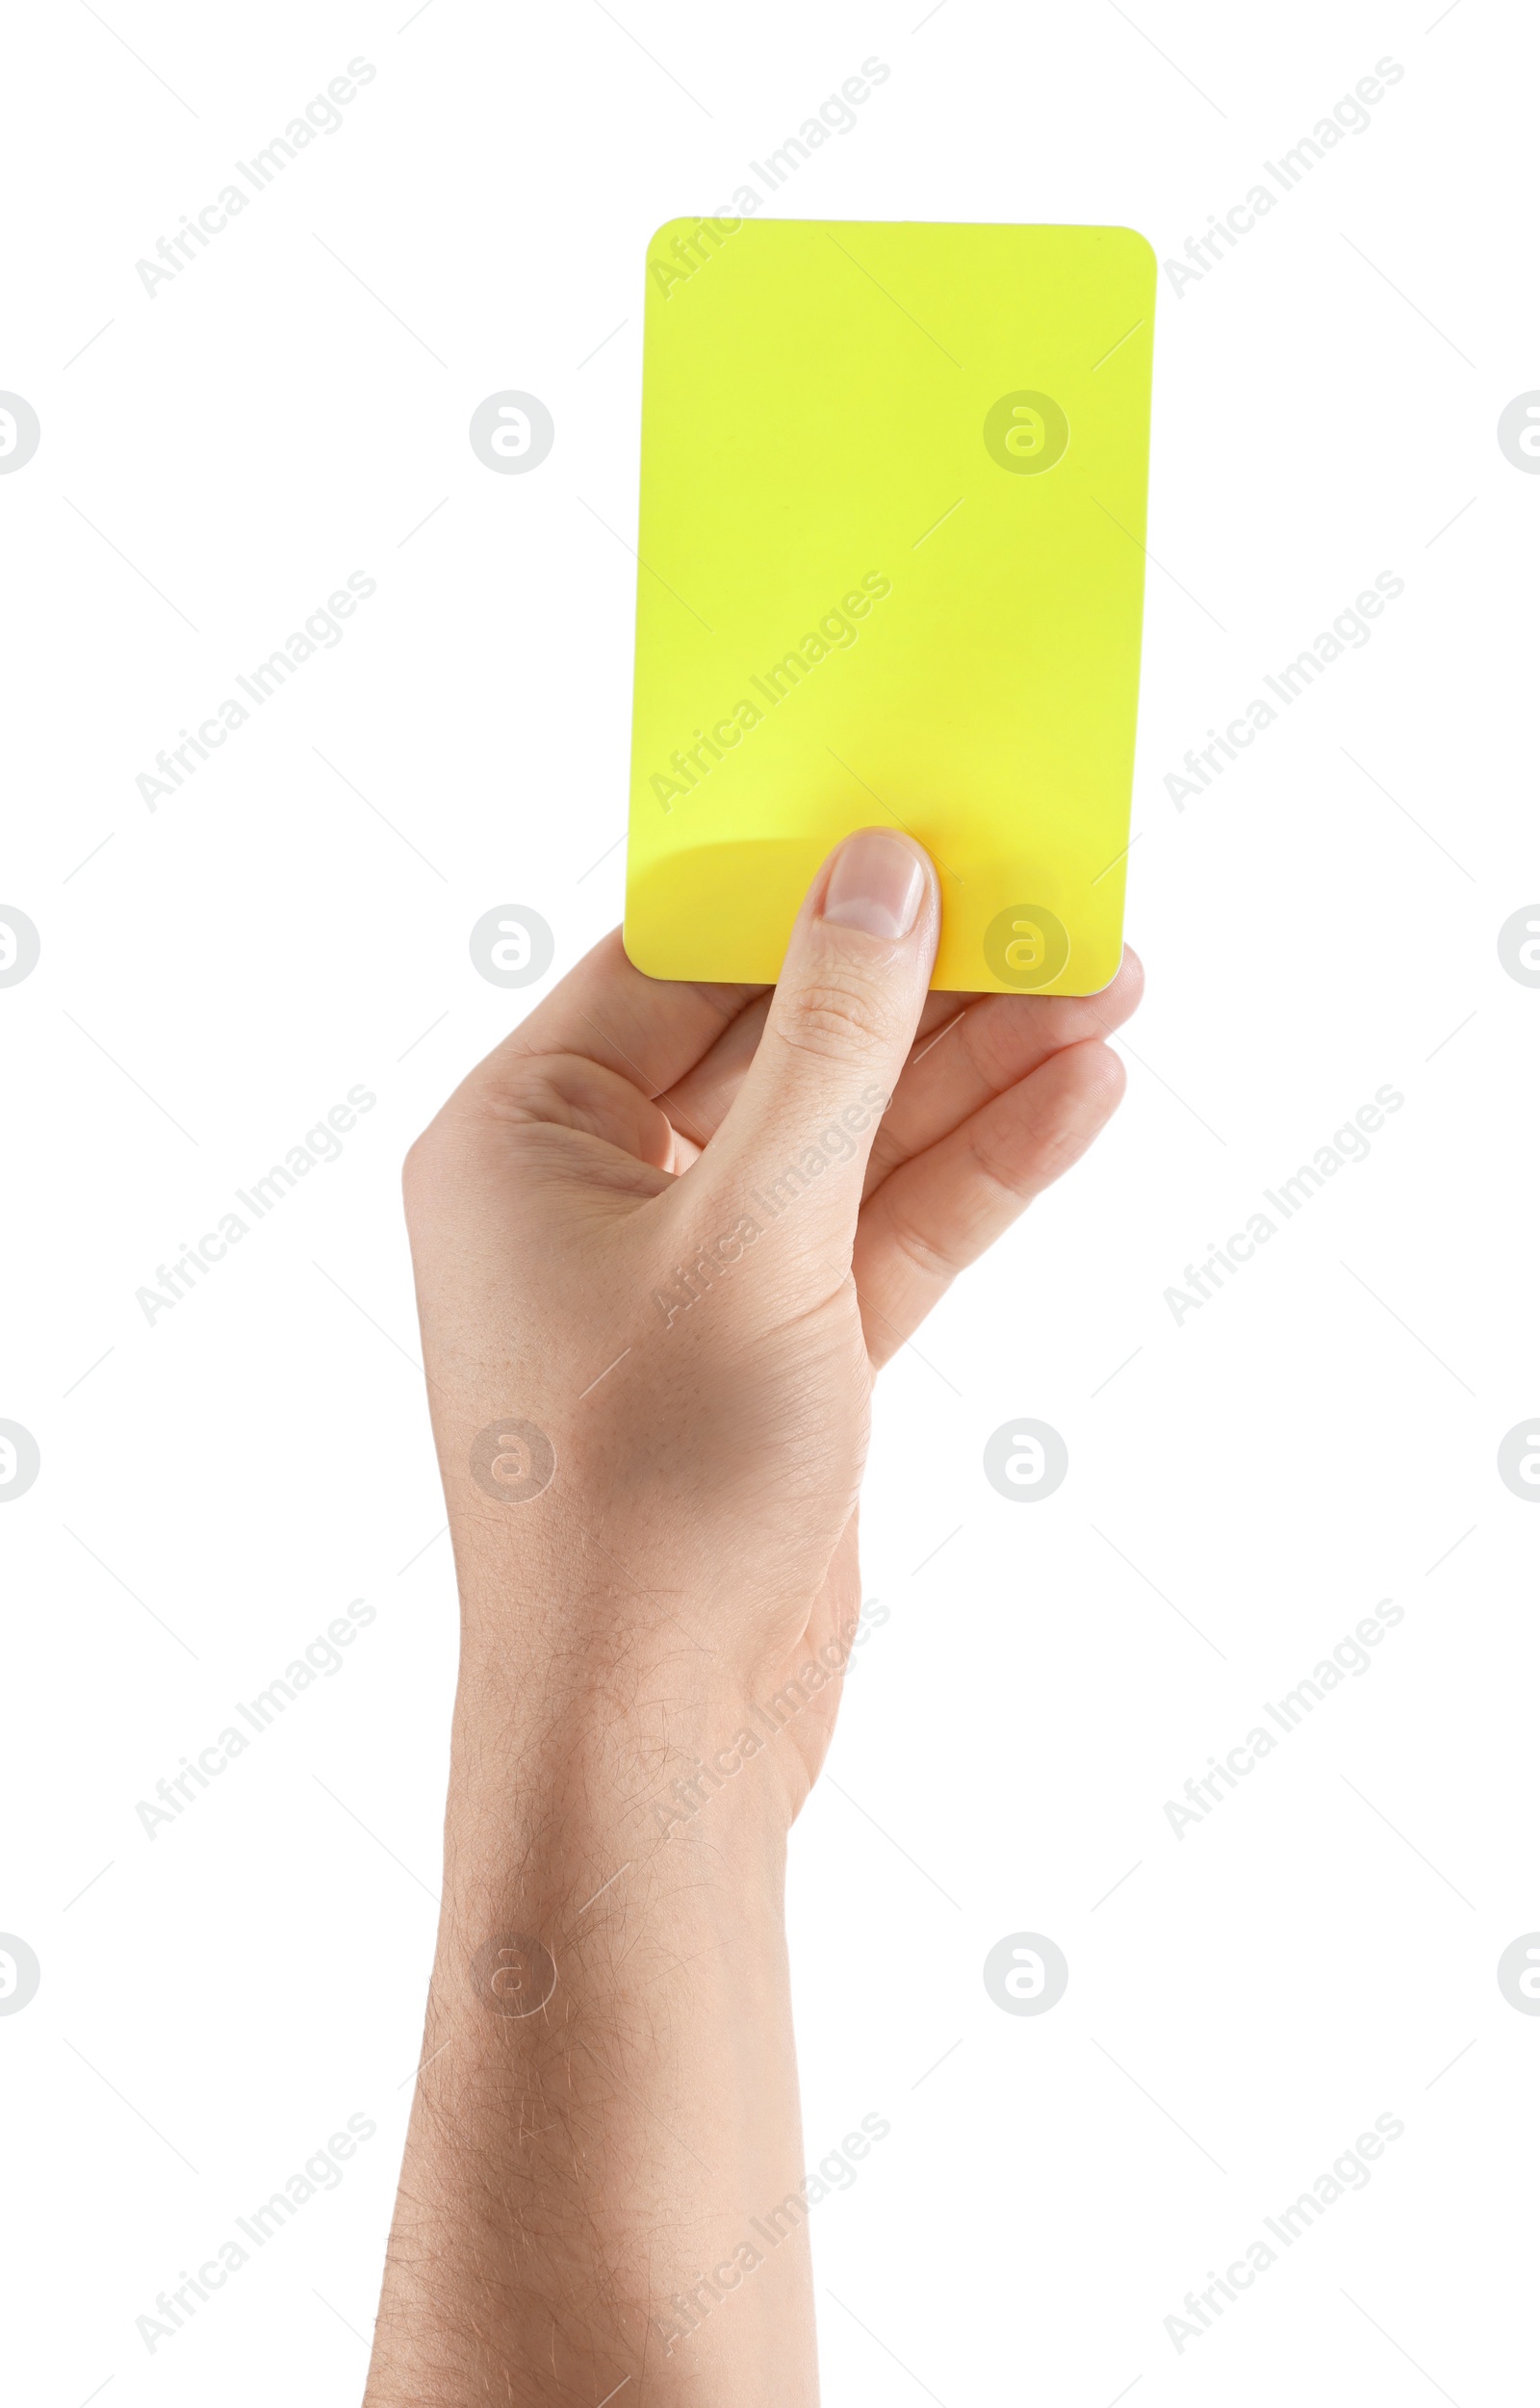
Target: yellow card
<point>891,569</point>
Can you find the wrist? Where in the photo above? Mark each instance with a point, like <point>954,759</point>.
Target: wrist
<point>550,1795</point>
<point>589,1713</point>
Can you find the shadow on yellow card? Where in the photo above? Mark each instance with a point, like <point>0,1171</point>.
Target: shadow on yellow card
<point>891,569</point>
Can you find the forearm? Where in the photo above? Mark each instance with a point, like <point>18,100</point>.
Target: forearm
<point>606,2113</point>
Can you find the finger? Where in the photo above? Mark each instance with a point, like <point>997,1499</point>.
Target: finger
<point>839,1026</point>
<point>1000,1038</point>
<point>700,1100</point>
<point>612,1136</point>
<point>647,1029</point>
<point>569,1091</point>
<point>983,1051</point>
<point>938,1213</point>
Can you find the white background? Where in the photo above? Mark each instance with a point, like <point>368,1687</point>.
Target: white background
<point>1244,1486</point>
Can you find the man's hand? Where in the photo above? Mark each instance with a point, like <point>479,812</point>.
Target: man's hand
<point>664,1236</point>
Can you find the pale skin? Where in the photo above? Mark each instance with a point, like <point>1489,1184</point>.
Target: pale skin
<point>606,2113</point>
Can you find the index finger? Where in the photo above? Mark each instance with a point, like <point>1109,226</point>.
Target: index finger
<point>650,1031</point>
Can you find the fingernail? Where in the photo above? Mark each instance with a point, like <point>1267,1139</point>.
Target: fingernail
<point>877,886</point>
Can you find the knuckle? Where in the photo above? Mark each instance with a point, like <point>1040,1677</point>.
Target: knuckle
<point>415,1164</point>
<point>996,1161</point>
<point>836,1014</point>
<point>422,1169</point>
<point>934,1262</point>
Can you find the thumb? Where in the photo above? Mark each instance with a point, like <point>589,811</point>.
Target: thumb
<point>840,1025</point>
